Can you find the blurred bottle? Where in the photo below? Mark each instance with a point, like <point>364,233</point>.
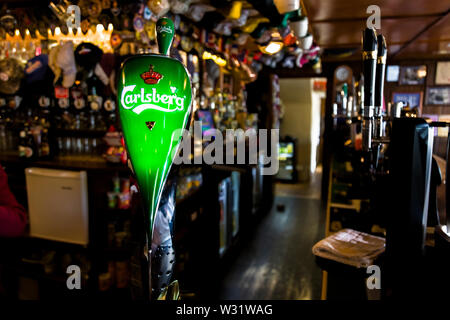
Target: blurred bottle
<point>45,145</point>
<point>30,146</point>
<point>3,138</point>
<point>22,143</point>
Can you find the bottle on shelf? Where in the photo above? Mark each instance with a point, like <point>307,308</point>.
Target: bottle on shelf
<point>30,146</point>
<point>22,143</point>
<point>45,145</point>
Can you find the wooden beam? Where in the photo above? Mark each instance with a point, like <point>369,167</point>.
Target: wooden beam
<point>420,33</point>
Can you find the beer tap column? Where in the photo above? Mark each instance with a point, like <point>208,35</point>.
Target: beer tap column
<point>369,56</point>
<point>379,86</point>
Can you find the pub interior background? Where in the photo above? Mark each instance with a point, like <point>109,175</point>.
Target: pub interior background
<point>362,152</point>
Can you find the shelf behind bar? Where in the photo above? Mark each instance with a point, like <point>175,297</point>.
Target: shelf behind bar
<point>67,162</point>
<point>79,133</point>
<point>94,163</point>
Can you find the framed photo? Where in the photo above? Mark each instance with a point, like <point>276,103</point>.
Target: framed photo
<point>392,73</point>
<point>412,99</point>
<point>442,72</point>
<point>438,96</point>
<point>413,75</point>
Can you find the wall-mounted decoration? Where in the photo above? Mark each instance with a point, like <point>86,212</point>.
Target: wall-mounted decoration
<point>343,73</point>
<point>392,73</point>
<point>413,75</point>
<point>438,96</point>
<point>442,72</point>
<point>412,99</point>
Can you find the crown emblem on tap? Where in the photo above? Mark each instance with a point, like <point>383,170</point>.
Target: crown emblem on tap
<point>151,76</point>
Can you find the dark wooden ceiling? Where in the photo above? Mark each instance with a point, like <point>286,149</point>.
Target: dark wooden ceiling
<point>413,28</point>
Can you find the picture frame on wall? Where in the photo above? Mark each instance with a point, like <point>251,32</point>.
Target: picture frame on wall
<point>442,73</point>
<point>413,75</point>
<point>392,73</point>
<point>438,96</point>
<point>412,99</point>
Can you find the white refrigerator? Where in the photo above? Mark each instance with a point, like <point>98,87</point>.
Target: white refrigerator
<point>58,205</point>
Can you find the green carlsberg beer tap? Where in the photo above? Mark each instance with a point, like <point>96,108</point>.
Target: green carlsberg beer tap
<point>155,98</point>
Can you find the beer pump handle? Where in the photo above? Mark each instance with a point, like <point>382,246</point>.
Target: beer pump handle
<point>379,87</point>
<point>165,32</point>
<point>154,96</point>
<point>369,56</point>
<point>380,73</point>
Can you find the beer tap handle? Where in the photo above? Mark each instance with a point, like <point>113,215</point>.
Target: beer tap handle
<point>380,74</point>
<point>369,65</point>
<point>165,32</point>
<point>369,56</point>
<point>379,86</point>
<point>379,91</point>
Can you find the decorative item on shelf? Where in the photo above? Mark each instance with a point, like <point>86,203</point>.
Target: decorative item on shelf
<point>115,152</point>
<point>216,58</point>
<point>179,6</point>
<point>306,42</point>
<point>290,40</point>
<point>158,7</point>
<point>99,36</point>
<point>119,197</point>
<point>299,25</point>
<point>284,6</point>
<point>11,73</point>
<point>317,65</point>
<point>274,45</point>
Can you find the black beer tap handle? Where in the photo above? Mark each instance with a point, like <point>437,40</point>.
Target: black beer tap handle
<point>380,72</point>
<point>369,56</point>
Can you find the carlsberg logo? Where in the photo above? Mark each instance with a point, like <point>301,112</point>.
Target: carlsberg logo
<point>164,29</point>
<point>140,101</point>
